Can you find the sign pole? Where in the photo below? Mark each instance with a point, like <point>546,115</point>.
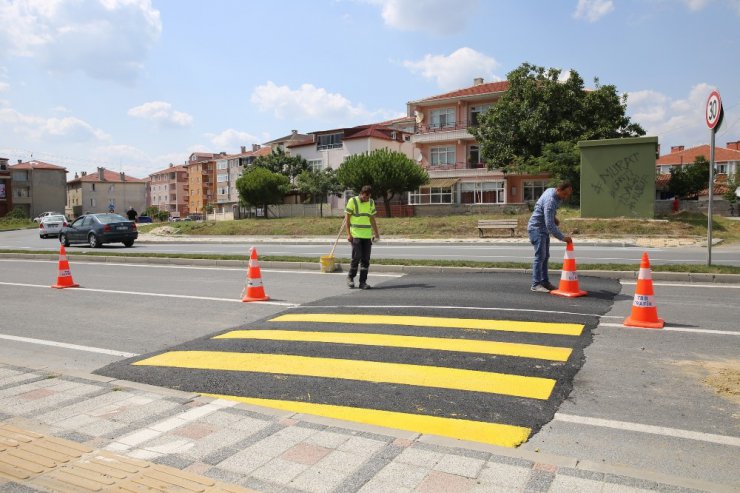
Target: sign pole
<point>713,115</point>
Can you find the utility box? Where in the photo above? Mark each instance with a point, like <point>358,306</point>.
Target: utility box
<point>618,177</point>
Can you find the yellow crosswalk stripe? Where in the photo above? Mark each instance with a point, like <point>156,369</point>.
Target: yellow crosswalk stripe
<point>479,431</point>
<point>385,340</point>
<point>368,371</point>
<point>568,329</point>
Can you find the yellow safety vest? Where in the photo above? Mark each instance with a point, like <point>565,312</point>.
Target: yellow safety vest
<point>359,219</point>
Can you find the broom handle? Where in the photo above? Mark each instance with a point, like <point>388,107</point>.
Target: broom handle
<point>341,228</point>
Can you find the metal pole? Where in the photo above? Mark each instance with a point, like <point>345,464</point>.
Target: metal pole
<point>711,198</point>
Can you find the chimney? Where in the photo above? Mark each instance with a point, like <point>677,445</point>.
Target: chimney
<point>123,176</point>
<point>84,173</point>
<point>76,175</point>
<point>244,149</point>
<point>20,161</point>
<point>255,147</point>
<point>676,149</point>
<point>735,146</point>
<point>478,81</point>
<point>3,163</point>
<point>294,132</point>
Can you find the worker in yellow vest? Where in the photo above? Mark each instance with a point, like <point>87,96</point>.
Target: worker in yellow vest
<point>361,231</point>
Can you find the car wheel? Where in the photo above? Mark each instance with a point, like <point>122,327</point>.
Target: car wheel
<point>43,236</point>
<point>128,243</point>
<point>93,241</point>
<point>63,240</point>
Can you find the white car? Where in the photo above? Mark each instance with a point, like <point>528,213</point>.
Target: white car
<point>41,216</point>
<point>52,225</point>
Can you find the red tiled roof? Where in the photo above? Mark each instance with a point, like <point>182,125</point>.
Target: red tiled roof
<point>37,165</point>
<point>480,89</point>
<point>661,181</point>
<point>688,156</point>
<point>374,131</point>
<point>170,169</point>
<point>108,176</point>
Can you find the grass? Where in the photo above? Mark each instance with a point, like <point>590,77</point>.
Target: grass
<point>11,224</point>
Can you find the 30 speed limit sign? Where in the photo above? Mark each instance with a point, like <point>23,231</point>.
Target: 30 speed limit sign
<point>714,109</point>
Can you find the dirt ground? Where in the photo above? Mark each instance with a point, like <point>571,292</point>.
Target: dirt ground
<point>723,377</point>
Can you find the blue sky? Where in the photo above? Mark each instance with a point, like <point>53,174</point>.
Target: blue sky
<point>134,85</point>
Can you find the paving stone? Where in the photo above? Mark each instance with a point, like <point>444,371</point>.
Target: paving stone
<point>405,475</point>
<point>571,484</point>
<point>505,475</point>
<point>459,465</point>
<point>420,457</point>
<point>327,439</point>
<point>317,480</point>
<point>279,471</point>
<point>305,453</point>
<point>442,482</point>
<point>376,486</point>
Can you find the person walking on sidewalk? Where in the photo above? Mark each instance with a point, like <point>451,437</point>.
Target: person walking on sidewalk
<point>131,213</point>
<point>542,224</point>
<point>362,230</point>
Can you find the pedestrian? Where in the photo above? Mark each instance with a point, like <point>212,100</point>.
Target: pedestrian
<point>131,213</point>
<point>675,204</point>
<point>542,224</point>
<point>361,231</point>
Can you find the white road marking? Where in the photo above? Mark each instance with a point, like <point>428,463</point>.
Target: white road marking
<point>162,295</point>
<point>438,307</point>
<point>690,285</point>
<point>677,329</point>
<point>64,345</point>
<point>654,430</point>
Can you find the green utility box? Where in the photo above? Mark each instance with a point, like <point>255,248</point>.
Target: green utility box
<point>618,177</point>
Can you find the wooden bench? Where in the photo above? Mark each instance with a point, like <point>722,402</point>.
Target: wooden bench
<point>486,224</point>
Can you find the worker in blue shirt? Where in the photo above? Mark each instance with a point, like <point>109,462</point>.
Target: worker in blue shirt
<point>542,224</point>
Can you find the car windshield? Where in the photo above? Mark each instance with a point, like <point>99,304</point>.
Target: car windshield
<point>53,218</point>
<point>110,218</point>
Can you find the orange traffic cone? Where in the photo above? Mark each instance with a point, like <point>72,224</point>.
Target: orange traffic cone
<point>569,277</point>
<point>254,289</point>
<point>644,311</point>
<point>64,279</point>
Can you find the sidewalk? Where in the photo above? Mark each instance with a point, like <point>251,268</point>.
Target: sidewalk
<point>80,432</point>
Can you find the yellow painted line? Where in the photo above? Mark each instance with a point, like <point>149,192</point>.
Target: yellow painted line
<point>437,322</point>
<point>461,429</point>
<point>367,371</point>
<point>386,340</point>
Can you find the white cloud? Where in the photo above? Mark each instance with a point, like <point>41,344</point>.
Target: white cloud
<point>440,17</point>
<point>106,39</point>
<point>593,10</point>
<point>306,102</point>
<point>674,121</point>
<point>161,112</point>
<point>68,128</point>
<point>4,86</point>
<point>696,4</point>
<point>232,139</point>
<point>456,70</point>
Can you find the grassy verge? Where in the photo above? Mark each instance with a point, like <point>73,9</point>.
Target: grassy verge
<point>698,269</point>
<point>10,224</point>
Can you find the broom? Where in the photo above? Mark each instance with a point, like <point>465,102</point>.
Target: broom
<point>328,263</point>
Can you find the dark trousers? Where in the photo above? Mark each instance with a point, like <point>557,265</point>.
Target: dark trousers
<point>360,257</point>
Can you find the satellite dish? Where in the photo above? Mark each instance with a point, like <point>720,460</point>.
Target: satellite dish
<point>419,116</point>
<point>419,158</point>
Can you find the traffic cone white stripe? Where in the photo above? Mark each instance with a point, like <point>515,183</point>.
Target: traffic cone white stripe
<point>568,255</point>
<point>254,282</point>
<point>645,274</point>
<point>568,276</point>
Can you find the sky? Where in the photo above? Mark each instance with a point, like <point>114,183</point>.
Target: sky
<point>134,85</point>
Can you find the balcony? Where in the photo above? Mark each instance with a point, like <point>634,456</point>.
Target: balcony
<point>439,133</point>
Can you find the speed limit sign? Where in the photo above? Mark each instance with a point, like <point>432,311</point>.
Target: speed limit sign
<point>714,109</point>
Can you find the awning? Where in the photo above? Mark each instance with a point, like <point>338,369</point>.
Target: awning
<point>441,182</point>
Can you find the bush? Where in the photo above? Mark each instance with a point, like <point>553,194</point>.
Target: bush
<point>15,215</point>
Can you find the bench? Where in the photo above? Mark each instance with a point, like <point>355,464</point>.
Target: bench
<point>486,224</point>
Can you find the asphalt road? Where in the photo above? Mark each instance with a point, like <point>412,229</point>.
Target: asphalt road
<point>643,398</point>
<point>489,251</point>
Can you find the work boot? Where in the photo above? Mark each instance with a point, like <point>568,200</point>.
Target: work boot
<point>351,283</point>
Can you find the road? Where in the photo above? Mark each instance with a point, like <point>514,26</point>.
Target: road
<point>488,251</point>
<point>644,398</point>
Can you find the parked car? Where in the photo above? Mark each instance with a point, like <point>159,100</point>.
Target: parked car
<point>41,216</point>
<point>52,225</point>
<point>144,219</point>
<point>96,229</point>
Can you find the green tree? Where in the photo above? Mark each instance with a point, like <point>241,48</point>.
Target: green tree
<point>388,172</point>
<point>731,194</point>
<point>540,109</point>
<point>562,160</point>
<point>152,211</point>
<point>260,187</point>
<point>319,185</point>
<point>280,162</point>
<point>688,180</point>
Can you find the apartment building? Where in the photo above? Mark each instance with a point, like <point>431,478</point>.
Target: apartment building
<point>444,146</point>
<point>201,168</point>
<point>104,191</point>
<point>228,170</point>
<point>168,190</point>
<point>38,187</point>
<point>726,159</point>
<point>6,189</point>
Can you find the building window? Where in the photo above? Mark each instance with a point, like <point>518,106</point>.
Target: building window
<point>315,164</point>
<point>720,168</point>
<point>431,195</point>
<point>474,156</point>
<point>222,164</point>
<point>442,118</point>
<point>329,141</point>
<point>223,177</point>
<point>93,187</point>
<point>532,190</point>
<point>486,192</point>
<point>439,156</point>
<point>92,202</point>
<point>476,112</point>
<point>111,188</point>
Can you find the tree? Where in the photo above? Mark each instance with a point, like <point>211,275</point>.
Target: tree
<point>259,187</point>
<point>730,194</point>
<point>388,172</point>
<point>279,162</point>
<point>319,185</point>
<point>689,180</point>
<point>540,109</point>
<point>562,161</point>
